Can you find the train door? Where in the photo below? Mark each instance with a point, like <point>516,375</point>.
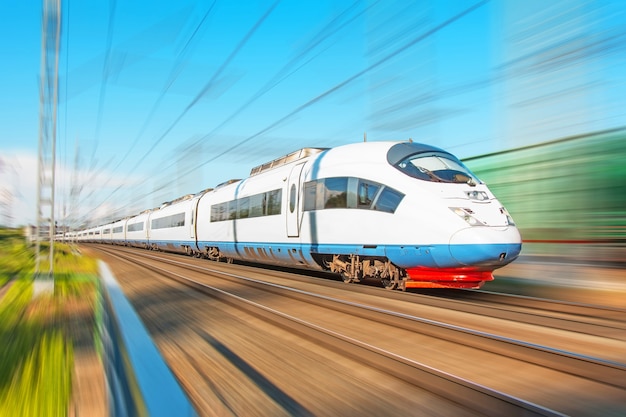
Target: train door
<point>293,201</point>
<point>194,217</point>
<point>192,222</point>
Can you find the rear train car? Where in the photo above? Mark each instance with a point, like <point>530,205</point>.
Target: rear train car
<point>172,227</point>
<point>118,232</point>
<point>137,230</point>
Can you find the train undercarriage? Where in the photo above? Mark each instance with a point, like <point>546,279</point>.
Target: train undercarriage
<point>353,268</point>
<point>213,253</point>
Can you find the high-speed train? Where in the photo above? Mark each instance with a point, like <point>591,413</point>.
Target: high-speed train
<point>408,214</point>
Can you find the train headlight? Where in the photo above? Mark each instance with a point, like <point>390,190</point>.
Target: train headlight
<point>477,195</point>
<point>466,214</point>
<point>509,219</point>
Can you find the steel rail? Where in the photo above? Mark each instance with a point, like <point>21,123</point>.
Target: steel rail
<point>596,369</point>
<point>593,320</point>
<point>615,316</point>
<point>459,390</point>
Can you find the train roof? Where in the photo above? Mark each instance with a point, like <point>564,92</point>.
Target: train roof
<point>401,150</point>
<point>293,156</point>
<point>225,183</point>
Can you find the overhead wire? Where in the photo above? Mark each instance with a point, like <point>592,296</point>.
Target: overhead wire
<point>346,82</point>
<point>103,84</point>
<point>105,74</point>
<point>63,147</point>
<point>330,29</point>
<point>153,32</point>
<point>290,68</point>
<point>95,170</point>
<point>174,73</point>
<point>337,87</point>
<point>206,87</point>
<point>212,80</point>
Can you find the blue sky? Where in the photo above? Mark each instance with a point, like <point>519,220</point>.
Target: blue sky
<point>160,98</point>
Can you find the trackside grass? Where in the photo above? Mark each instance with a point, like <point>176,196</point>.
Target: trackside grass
<point>38,335</point>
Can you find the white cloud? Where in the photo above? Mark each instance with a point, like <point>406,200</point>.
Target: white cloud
<point>18,191</point>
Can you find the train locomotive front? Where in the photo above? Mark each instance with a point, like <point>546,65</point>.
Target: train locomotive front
<point>415,217</point>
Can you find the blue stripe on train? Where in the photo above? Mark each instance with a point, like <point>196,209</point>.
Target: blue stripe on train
<point>404,256</point>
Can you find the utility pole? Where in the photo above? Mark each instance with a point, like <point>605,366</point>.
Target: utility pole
<point>5,199</point>
<point>48,99</point>
<point>75,190</point>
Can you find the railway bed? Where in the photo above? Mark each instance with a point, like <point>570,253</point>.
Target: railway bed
<point>375,336</point>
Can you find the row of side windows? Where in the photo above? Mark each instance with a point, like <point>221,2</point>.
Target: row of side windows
<point>175,220</point>
<point>350,192</point>
<point>135,227</point>
<point>326,193</point>
<point>262,204</point>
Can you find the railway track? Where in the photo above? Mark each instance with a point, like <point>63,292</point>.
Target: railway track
<point>535,319</point>
<point>590,319</point>
<point>337,323</point>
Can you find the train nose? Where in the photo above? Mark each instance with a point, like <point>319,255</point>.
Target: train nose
<point>491,247</point>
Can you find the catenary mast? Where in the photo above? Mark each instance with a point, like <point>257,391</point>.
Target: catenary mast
<point>48,99</point>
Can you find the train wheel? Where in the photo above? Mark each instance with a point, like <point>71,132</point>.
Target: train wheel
<point>389,283</point>
<point>392,279</point>
<point>347,277</point>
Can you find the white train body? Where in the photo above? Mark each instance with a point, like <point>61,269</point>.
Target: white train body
<point>106,234</point>
<point>409,214</point>
<point>137,231</point>
<point>172,227</point>
<point>118,232</point>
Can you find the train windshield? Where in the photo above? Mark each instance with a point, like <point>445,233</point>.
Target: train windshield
<point>437,167</point>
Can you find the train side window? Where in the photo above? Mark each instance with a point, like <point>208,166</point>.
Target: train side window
<point>367,192</point>
<point>336,192</point>
<point>215,213</point>
<point>135,227</point>
<point>292,198</point>
<point>257,203</point>
<point>223,211</point>
<point>232,210</point>
<point>274,199</point>
<point>243,208</point>
<point>265,204</point>
<point>310,189</point>
<point>175,220</point>
<point>388,200</point>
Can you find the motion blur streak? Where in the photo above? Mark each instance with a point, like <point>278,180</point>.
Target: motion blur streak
<point>569,202</point>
